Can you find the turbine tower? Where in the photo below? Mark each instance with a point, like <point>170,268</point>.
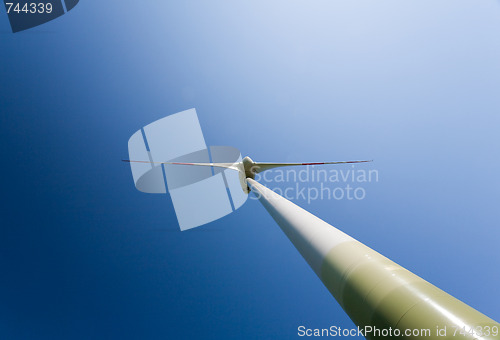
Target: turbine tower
<point>382,298</point>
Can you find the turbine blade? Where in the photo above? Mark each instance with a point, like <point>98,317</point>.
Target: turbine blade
<point>218,165</point>
<point>262,166</point>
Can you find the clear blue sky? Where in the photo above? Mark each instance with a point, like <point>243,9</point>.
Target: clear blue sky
<point>413,85</point>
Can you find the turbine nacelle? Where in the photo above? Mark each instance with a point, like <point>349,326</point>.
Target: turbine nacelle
<point>249,167</point>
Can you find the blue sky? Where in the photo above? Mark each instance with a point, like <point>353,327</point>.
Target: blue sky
<point>413,85</point>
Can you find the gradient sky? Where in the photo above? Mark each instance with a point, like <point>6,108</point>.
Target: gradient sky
<point>411,84</point>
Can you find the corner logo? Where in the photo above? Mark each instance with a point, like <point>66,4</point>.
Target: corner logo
<point>26,14</point>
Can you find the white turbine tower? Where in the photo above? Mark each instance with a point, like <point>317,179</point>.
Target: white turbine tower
<point>382,298</point>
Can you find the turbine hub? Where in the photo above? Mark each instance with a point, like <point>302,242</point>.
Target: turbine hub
<point>249,166</point>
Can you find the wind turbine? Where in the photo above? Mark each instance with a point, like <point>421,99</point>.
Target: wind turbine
<point>382,298</point>
<point>247,168</point>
